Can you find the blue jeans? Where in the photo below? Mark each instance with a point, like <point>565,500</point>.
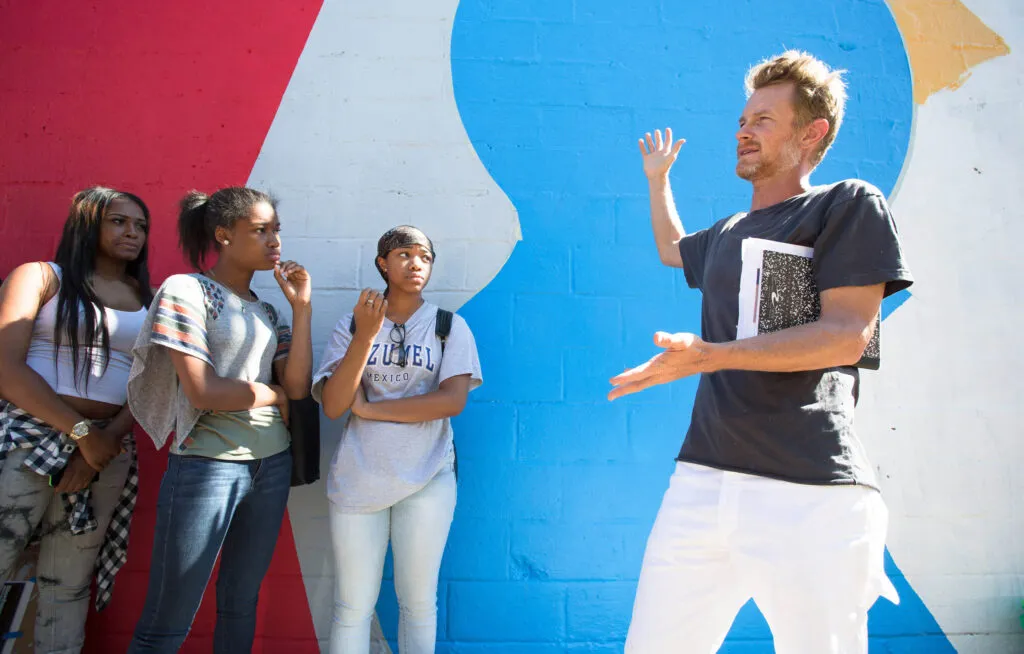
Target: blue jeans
<point>206,506</point>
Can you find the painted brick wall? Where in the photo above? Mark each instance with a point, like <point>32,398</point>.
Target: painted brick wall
<point>156,100</point>
<point>490,121</point>
<point>553,97</point>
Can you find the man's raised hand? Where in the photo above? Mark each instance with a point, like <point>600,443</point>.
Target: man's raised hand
<point>659,154</point>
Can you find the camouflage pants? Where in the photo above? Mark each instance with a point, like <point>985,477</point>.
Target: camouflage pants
<point>66,562</point>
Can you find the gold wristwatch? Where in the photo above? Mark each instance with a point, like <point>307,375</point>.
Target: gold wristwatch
<point>80,430</point>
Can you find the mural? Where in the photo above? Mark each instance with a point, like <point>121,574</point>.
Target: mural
<point>490,121</point>
<point>600,77</point>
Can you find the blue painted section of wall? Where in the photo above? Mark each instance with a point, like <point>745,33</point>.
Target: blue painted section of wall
<point>893,302</point>
<point>559,488</point>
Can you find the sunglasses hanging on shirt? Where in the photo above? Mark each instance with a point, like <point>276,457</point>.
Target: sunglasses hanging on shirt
<point>397,337</point>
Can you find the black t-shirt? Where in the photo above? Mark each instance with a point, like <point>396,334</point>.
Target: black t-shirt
<point>795,426</point>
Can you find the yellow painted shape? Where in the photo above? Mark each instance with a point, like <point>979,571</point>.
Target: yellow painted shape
<point>944,40</point>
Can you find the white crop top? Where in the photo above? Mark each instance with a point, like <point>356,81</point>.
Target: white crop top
<point>110,385</point>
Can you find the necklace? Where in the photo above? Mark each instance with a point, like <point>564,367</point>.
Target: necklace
<point>250,299</point>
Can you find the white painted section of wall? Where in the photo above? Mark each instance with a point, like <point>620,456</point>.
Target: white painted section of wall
<point>368,136</point>
<point>943,420</point>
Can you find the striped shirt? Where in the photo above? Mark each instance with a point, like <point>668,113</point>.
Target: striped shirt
<point>195,315</point>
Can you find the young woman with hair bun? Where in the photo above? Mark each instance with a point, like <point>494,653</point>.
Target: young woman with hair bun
<point>205,365</point>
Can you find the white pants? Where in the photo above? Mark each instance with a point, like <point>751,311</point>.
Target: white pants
<point>811,557</point>
<point>418,529</point>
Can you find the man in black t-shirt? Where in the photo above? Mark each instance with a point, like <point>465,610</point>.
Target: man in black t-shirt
<point>773,497</point>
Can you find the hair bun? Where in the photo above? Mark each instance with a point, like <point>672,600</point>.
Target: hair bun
<point>194,200</point>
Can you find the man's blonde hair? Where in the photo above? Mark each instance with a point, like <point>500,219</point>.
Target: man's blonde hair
<point>818,92</point>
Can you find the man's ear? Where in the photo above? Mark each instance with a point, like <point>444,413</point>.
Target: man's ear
<point>814,132</point>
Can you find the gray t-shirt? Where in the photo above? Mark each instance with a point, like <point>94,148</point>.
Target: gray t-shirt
<point>378,464</point>
<point>794,426</point>
<point>240,339</point>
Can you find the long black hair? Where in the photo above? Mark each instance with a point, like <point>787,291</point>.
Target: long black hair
<point>79,314</point>
<point>402,236</point>
<point>202,214</point>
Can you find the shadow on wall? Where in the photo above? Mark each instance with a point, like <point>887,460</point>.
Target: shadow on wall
<point>559,488</point>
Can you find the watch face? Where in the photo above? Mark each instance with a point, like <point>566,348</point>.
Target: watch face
<point>80,429</point>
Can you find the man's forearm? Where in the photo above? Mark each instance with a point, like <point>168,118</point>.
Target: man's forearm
<point>813,346</point>
<point>668,229</point>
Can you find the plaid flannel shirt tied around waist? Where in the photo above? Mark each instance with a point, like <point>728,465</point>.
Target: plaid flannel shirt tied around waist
<point>51,450</point>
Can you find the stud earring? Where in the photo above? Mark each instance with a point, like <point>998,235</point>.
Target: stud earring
<point>226,242</point>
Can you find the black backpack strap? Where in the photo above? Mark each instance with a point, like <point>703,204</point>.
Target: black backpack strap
<point>443,327</point>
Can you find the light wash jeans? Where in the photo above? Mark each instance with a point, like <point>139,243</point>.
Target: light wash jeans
<point>206,507</point>
<point>811,557</point>
<point>67,563</point>
<point>418,529</point>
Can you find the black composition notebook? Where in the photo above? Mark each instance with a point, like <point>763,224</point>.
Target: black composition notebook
<point>777,291</point>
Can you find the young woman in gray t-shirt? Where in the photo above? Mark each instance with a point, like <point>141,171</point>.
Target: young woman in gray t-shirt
<point>392,476</point>
<point>217,366</point>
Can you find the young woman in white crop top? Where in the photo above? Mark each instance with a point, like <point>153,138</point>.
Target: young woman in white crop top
<point>67,461</point>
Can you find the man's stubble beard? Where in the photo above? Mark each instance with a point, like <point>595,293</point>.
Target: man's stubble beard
<point>788,158</point>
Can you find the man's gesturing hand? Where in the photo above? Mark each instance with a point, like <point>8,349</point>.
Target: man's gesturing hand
<point>659,155</point>
<point>684,355</point>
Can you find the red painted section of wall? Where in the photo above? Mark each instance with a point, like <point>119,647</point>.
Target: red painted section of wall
<point>157,98</point>
<point>153,98</point>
